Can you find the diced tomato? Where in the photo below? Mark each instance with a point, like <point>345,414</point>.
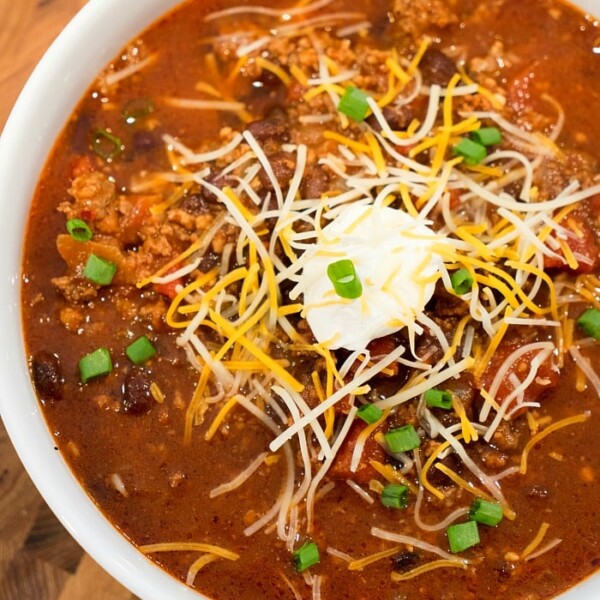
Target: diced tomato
<point>87,214</point>
<point>295,92</point>
<point>340,469</point>
<point>455,198</point>
<point>167,289</point>
<point>378,349</point>
<point>405,150</point>
<point>594,204</point>
<point>583,242</point>
<point>547,374</point>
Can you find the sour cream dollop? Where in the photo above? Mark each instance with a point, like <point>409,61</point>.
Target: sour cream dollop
<point>394,258</point>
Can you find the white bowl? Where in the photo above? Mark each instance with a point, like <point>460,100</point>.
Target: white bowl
<point>51,94</point>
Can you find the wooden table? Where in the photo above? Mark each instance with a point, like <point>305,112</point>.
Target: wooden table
<point>38,558</point>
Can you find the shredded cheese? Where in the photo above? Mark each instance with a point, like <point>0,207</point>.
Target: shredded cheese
<point>546,432</point>
<point>436,564</point>
<point>254,339</point>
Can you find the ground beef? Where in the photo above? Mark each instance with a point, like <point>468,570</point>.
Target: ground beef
<point>416,16</point>
<point>75,290</point>
<point>555,174</point>
<point>95,201</point>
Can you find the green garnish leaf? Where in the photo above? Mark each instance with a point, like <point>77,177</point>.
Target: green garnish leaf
<point>95,364</point>
<point>306,556</point>
<point>354,104</point>
<point>98,270</point>
<point>79,230</point>
<point>344,279</point>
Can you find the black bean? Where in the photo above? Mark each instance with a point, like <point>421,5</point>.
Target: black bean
<point>437,68</point>
<point>315,182</point>
<point>437,478</point>
<point>218,181</point>
<point>79,133</point>
<point>269,129</point>
<point>405,560</point>
<point>398,118</point>
<point>136,398</point>
<point>47,375</point>
<point>267,80</point>
<point>195,204</point>
<point>504,570</point>
<point>283,165</point>
<point>209,261</point>
<point>278,112</point>
<point>144,141</point>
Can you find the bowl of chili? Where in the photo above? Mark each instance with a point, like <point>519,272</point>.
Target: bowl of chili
<point>22,158</point>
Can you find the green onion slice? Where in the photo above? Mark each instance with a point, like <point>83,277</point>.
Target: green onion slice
<point>106,145</point>
<point>483,511</point>
<point>402,439</point>
<point>306,556</point>
<point>96,364</point>
<point>395,496</point>
<point>79,230</point>
<point>98,270</point>
<point>136,109</point>
<point>462,536</point>
<point>487,136</point>
<point>354,104</point>
<point>344,279</point>
<point>438,399</point>
<point>462,281</point>
<point>369,413</point>
<point>471,151</point>
<point>589,321</point>
<point>140,351</point>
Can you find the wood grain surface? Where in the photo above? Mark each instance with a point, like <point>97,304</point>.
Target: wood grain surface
<point>38,558</point>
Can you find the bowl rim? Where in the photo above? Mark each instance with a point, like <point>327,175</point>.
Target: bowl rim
<point>41,110</point>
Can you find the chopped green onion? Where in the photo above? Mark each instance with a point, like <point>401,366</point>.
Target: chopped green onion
<point>140,351</point>
<point>106,145</point>
<point>483,511</point>
<point>487,136</point>
<point>369,413</point>
<point>306,556</point>
<point>463,536</point>
<point>438,399</point>
<point>98,270</point>
<point>344,279</point>
<point>79,230</point>
<point>354,104</point>
<point>402,439</point>
<point>136,109</point>
<point>589,321</point>
<point>395,496</point>
<point>96,364</point>
<point>462,281</point>
<point>471,151</point>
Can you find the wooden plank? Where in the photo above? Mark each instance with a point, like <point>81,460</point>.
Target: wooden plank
<point>28,578</point>
<point>27,28</point>
<point>89,577</point>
